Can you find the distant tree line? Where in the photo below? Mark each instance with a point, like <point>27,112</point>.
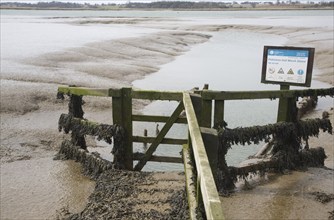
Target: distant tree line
<point>45,5</point>
<point>177,5</point>
<point>186,5</point>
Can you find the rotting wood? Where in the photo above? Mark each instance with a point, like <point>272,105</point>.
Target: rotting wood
<point>141,163</point>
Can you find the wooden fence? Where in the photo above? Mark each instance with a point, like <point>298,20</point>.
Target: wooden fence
<point>199,110</point>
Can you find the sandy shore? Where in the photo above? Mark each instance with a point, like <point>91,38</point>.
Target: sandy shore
<point>29,114</point>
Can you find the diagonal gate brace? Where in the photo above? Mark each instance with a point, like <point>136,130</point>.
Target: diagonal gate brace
<point>160,137</point>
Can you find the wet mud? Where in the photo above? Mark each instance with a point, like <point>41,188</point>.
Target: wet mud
<point>136,195</point>
<point>39,188</point>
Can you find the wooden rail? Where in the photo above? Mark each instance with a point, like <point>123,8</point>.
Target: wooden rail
<point>122,115</point>
<point>208,189</point>
<point>238,95</point>
<point>135,94</point>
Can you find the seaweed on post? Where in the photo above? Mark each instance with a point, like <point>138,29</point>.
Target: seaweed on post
<point>104,132</point>
<point>79,127</point>
<point>287,148</point>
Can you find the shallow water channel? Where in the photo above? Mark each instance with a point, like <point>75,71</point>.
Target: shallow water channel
<point>229,61</point>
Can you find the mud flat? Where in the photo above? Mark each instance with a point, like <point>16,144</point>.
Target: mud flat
<point>29,119</point>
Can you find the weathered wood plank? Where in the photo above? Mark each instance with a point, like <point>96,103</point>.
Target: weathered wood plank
<point>206,113</point>
<point>270,94</point>
<point>154,158</point>
<point>218,116</point>
<point>190,183</point>
<point>283,106</point>
<point>141,139</point>
<point>211,143</point>
<point>160,136</point>
<point>127,125</point>
<point>210,196</point>
<point>156,118</point>
<point>157,95</point>
<point>122,112</point>
<point>82,91</point>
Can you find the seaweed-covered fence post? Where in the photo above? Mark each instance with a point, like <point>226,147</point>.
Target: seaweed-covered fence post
<point>75,110</point>
<point>287,152</point>
<point>122,115</point>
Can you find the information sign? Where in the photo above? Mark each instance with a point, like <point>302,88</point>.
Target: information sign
<point>287,65</point>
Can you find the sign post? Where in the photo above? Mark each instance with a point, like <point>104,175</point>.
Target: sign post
<point>287,66</point>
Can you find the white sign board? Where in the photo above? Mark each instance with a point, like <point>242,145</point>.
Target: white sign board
<point>287,65</point>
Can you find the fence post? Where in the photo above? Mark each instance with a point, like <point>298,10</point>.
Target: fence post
<point>206,113</point>
<point>122,115</point>
<point>75,109</point>
<point>283,106</point>
<point>218,117</point>
<point>211,143</point>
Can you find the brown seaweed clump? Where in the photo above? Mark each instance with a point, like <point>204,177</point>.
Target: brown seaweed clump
<point>127,195</point>
<point>92,163</point>
<point>287,151</point>
<point>80,128</point>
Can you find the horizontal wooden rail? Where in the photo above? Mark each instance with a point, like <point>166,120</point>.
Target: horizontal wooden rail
<point>210,196</point>
<point>157,95</point>
<point>206,94</point>
<point>237,95</point>
<point>136,94</point>
<point>141,139</point>
<point>154,158</point>
<point>157,118</point>
<point>83,91</point>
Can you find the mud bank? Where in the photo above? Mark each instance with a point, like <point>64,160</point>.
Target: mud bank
<point>106,64</point>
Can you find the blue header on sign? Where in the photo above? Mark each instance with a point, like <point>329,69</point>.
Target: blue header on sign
<point>288,53</point>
